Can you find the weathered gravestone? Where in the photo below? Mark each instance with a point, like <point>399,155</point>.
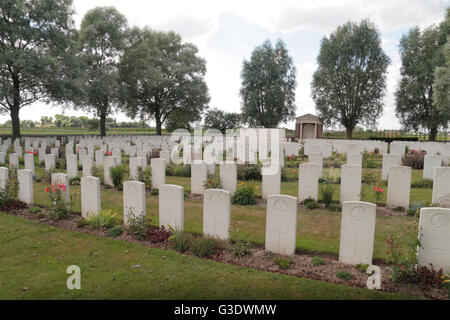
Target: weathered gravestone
<point>88,163</point>
<point>198,177</point>
<point>216,213</point>
<point>430,162</point>
<point>281,224</point>
<point>29,162</point>
<point>158,172</point>
<point>388,161</point>
<point>357,232</point>
<point>317,159</point>
<point>50,162</point>
<point>271,182</point>
<point>72,165</point>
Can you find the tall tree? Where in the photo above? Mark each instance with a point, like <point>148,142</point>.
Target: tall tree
<point>36,54</point>
<point>268,86</point>
<point>421,52</point>
<point>349,83</point>
<point>441,86</point>
<point>102,40</point>
<point>220,120</point>
<point>162,76</point>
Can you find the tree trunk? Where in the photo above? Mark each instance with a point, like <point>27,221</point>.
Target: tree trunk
<point>103,122</point>
<point>158,126</point>
<point>433,134</point>
<point>349,132</point>
<point>15,121</point>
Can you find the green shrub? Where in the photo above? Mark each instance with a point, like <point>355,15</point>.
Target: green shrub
<point>362,267</point>
<point>327,192</point>
<point>370,164</point>
<point>115,231</point>
<point>423,183</point>
<point>137,226</point>
<point>35,209</point>
<point>178,170</point>
<point>317,261</point>
<point>283,263</point>
<point>213,182</point>
<point>117,175</point>
<point>205,247</point>
<point>344,275</point>
<point>332,176</point>
<point>371,177</point>
<point>244,195</point>
<point>75,181</point>
<point>145,176</point>
<point>82,223</point>
<point>103,219</point>
<point>335,208</point>
<point>180,241</point>
<point>240,248</point>
<point>249,172</point>
<point>311,205</point>
<point>414,159</point>
<point>154,192</point>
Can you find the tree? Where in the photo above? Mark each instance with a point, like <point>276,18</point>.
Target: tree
<point>441,86</point>
<point>102,40</point>
<point>162,76</point>
<point>421,52</point>
<point>220,120</point>
<point>36,54</point>
<point>183,120</point>
<point>349,83</point>
<point>268,86</point>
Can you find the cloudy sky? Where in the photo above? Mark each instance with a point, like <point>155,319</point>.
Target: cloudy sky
<point>227,31</point>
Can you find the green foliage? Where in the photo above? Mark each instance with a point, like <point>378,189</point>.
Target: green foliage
<point>169,73</point>
<point>33,69</point>
<point>178,170</point>
<point>180,241</point>
<point>370,164</point>
<point>240,248</point>
<point>335,208</point>
<point>327,193</point>
<point>103,219</point>
<point>75,181</point>
<point>422,183</point>
<point>268,86</point>
<point>349,83</point>
<point>137,226</point>
<point>57,206</point>
<point>244,195</point>
<point>311,203</point>
<point>362,267</point>
<point>35,209</point>
<point>82,223</point>
<point>415,160</point>
<point>332,176</point>
<point>205,247</point>
<point>371,177</point>
<point>317,261</point>
<point>344,275</point>
<point>249,172</point>
<point>283,263</point>
<point>221,120</point>
<point>145,176</point>
<point>213,182</point>
<point>117,175</point>
<point>421,52</point>
<point>154,192</point>
<point>115,231</point>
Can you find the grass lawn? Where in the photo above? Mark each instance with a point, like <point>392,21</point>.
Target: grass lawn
<point>35,256</point>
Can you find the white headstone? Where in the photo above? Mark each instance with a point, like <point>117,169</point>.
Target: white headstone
<point>25,178</point>
<point>171,206</point>
<point>158,172</point>
<point>357,232</point>
<point>110,162</point>
<point>133,200</point>
<point>90,196</point>
<point>441,187</point>
<point>308,181</point>
<point>350,182</point>
<point>317,159</point>
<point>216,213</point>
<point>399,187</point>
<point>430,162</point>
<point>388,161</point>
<point>29,162</point>
<point>281,224</point>
<point>135,163</point>
<point>72,165</point>
<point>88,163</point>
<point>50,162</point>
<point>4,176</point>
<point>271,183</point>
<point>354,158</point>
<point>198,177</point>
<point>228,176</point>
<point>14,160</point>
<point>99,157</point>
<point>62,179</point>
<point>434,226</point>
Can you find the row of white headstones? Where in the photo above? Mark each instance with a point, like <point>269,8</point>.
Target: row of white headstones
<point>357,225</point>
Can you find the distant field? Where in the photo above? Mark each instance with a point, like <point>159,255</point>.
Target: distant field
<point>78,131</point>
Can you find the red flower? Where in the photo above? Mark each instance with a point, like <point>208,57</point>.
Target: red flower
<point>46,190</point>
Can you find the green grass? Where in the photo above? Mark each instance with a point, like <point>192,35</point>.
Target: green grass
<point>35,256</point>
